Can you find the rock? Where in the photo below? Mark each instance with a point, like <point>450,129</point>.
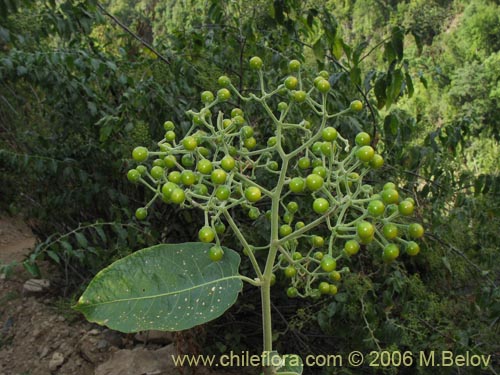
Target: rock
<point>102,345</point>
<point>155,337</point>
<point>36,286</point>
<point>139,361</point>
<point>56,361</point>
<point>113,338</point>
<point>36,333</point>
<point>88,348</point>
<point>44,352</point>
<point>66,349</point>
<point>94,332</point>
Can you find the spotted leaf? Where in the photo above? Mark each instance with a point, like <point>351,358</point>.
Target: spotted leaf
<point>168,287</point>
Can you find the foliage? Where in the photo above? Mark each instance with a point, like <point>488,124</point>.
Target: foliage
<point>305,174</point>
<point>77,92</point>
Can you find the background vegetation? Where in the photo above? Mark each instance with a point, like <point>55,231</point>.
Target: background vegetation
<point>83,82</point>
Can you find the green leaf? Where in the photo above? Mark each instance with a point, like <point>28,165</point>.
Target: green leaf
<point>347,49</point>
<point>319,51</point>
<point>397,41</point>
<point>394,88</point>
<point>284,364</point>
<point>447,264</point>
<point>380,90</point>
<point>32,267</point>
<point>389,52</point>
<point>356,54</point>
<point>82,241</point>
<point>423,80</point>
<point>101,233</point>
<point>293,364</point>
<point>330,26</point>
<point>66,246</point>
<point>337,48</point>
<point>391,125</point>
<point>105,132</point>
<point>418,40</point>
<point>54,256</point>
<point>409,84</point>
<point>92,108</point>
<point>355,75</point>
<point>169,287</point>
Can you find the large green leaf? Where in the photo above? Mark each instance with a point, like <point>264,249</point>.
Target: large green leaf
<point>165,287</point>
<point>288,364</point>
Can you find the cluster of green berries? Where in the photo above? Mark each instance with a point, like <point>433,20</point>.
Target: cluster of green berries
<point>326,212</point>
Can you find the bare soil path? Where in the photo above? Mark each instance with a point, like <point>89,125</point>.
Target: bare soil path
<point>41,335</point>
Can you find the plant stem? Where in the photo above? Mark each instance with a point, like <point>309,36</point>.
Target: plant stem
<point>273,250</point>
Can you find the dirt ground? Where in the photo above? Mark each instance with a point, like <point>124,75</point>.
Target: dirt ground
<point>41,335</point>
<point>36,331</point>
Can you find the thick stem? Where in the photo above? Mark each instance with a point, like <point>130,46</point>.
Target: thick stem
<point>273,250</point>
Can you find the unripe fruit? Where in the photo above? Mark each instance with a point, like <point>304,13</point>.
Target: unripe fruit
<point>178,196</point>
<point>390,196</point>
<point>328,263</point>
<point>227,163</point>
<point>335,275</point>
<point>292,292</point>
<point>351,247</point>
<point>141,213</point>
<point>218,176</point>
<point>216,253</point>
<point>156,172</point>
<point>290,271</point>
<point>318,241</point>
<point>168,125</point>
<point>363,139</point>
<point>390,253</point>
<point>204,166</point>
<point>297,185</point>
<point>412,248</point>
<point>223,94</point>
<point>324,287</point>
<point>299,96</point>
<point>291,83</point>
<point>415,230</point>
<point>377,161</point>
<point>356,106</point>
<point>406,208</point>
<point>365,153</point>
<point>329,134</point>
<point>304,162</point>
<point>285,230</point>
<point>376,208</point>
<point>314,182</point>
<point>292,207</point>
<point>323,86</point>
<point>224,81</point>
<point>390,231</point>
<point>133,175</point>
<point>294,65</point>
<point>321,205</point>
<point>140,154</point>
<point>168,188</point>
<point>188,178</point>
<point>236,112</point>
<point>253,194</point>
<point>256,63</point>
<point>206,234</point>
<point>207,97</point>
<point>365,230</point>
<point>333,289</point>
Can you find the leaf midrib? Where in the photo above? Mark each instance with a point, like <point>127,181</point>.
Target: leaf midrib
<point>160,295</point>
